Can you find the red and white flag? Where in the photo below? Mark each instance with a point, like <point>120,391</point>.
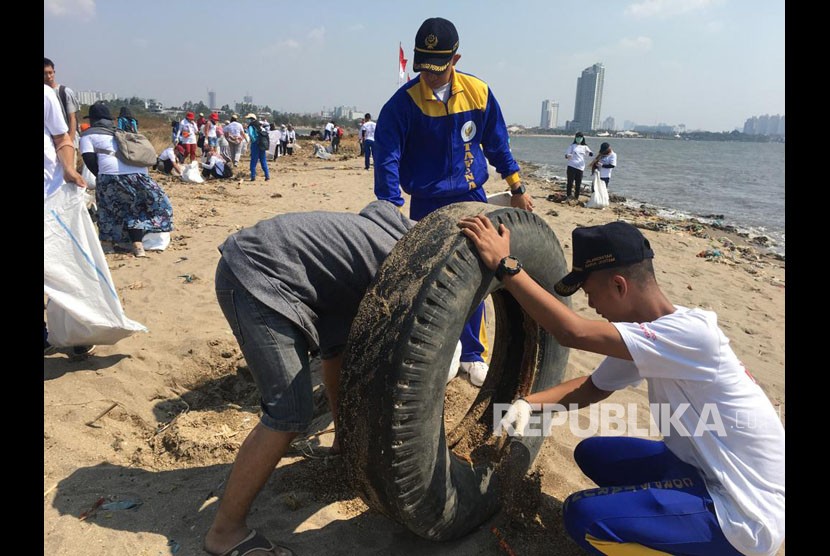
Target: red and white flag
<point>401,65</point>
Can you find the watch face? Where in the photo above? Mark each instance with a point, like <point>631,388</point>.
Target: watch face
<point>511,264</point>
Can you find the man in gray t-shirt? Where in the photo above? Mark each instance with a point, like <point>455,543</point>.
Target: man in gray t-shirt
<point>67,99</point>
<point>289,285</point>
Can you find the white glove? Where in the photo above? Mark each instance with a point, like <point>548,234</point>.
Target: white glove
<point>516,419</point>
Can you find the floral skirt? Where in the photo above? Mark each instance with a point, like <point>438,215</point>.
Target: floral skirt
<point>131,202</point>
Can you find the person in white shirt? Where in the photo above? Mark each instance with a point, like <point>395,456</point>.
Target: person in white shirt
<point>327,131</point>
<point>235,134</point>
<point>367,134</point>
<point>715,483</point>
<point>214,166</point>
<point>605,161</point>
<point>58,169</point>
<point>58,149</point>
<point>576,154</point>
<point>188,135</point>
<point>168,162</point>
<point>130,203</point>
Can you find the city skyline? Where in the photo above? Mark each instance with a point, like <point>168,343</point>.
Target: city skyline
<point>692,62</point>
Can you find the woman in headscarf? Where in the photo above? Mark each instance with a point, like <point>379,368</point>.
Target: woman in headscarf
<point>130,203</point>
<point>126,121</point>
<point>605,161</point>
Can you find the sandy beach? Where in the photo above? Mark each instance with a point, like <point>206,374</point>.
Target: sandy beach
<point>152,424</point>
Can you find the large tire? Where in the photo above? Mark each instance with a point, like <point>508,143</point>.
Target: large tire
<point>391,423</point>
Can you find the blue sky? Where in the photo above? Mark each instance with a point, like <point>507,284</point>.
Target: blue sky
<point>708,64</point>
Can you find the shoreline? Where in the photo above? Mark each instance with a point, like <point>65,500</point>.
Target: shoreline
<point>666,217</point>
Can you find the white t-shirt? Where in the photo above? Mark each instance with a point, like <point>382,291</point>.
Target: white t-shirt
<point>329,126</point>
<point>578,153</point>
<point>168,154</point>
<point>607,159</point>
<point>53,124</point>
<point>369,128</point>
<point>234,129</point>
<point>107,163</point>
<point>443,92</point>
<point>687,361</point>
<point>188,132</point>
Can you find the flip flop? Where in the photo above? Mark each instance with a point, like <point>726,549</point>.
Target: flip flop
<point>254,541</point>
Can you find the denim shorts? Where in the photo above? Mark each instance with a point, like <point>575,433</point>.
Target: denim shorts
<point>276,351</point>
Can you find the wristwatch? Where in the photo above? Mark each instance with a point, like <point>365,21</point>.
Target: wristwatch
<point>519,190</point>
<point>509,266</point>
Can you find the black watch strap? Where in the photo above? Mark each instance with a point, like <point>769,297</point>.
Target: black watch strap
<point>521,190</point>
<point>508,266</point>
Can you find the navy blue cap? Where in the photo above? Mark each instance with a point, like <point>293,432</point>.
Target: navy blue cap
<point>435,44</point>
<point>599,247</point>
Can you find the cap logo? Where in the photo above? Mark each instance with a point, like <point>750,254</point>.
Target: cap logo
<point>431,41</point>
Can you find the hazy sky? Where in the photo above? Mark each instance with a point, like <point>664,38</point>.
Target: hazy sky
<point>708,64</point>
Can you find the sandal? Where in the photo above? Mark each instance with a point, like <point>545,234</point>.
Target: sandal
<point>254,542</point>
<point>138,250</point>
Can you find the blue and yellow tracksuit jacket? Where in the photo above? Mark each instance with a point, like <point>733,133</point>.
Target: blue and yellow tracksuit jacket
<point>435,150</point>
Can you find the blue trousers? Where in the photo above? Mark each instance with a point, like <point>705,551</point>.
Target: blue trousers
<point>647,499</point>
<point>259,155</point>
<point>368,151</point>
<point>472,346</point>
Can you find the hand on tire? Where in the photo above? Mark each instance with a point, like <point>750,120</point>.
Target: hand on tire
<point>516,419</point>
<point>492,244</point>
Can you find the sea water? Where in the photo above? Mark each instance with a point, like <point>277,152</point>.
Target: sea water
<point>727,182</point>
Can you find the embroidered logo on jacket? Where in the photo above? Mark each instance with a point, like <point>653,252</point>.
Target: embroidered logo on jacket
<point>468,131</point>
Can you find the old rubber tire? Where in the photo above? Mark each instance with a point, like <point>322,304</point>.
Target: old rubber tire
<point>391,424</point>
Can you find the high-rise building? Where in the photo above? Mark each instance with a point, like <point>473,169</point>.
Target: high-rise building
<point>550,114</point>
<point>212,100</point>
<point>588,98</point>
<point>609,124</point>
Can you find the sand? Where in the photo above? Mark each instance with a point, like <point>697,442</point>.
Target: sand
<point>180,399</point>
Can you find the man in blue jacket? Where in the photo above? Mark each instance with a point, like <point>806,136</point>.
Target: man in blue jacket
<point>434,139</point>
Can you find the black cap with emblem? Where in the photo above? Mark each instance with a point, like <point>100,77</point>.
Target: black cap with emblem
<point>435,44</point>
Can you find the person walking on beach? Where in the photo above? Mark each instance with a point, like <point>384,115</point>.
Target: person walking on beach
<point>285,293</point>
<point>367,134</point>
<point>605,161</point>
<point>434,139</point>
<point>576,154</point>
<point>715,483</point>
<point>235,134</point>
<point>258,154</point>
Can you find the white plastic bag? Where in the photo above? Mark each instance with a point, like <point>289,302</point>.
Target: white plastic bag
<point>599,198</point>
<point>156,241</point>
<point>83,306</point>
<point>192,172</point>
<point>501,199</point>
<point>89,177</point>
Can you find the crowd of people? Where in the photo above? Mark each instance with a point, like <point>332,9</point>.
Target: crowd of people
<point>434,139</point>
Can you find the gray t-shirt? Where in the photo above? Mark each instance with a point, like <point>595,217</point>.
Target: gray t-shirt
<point>314,267</point>
<point>72,105</point>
